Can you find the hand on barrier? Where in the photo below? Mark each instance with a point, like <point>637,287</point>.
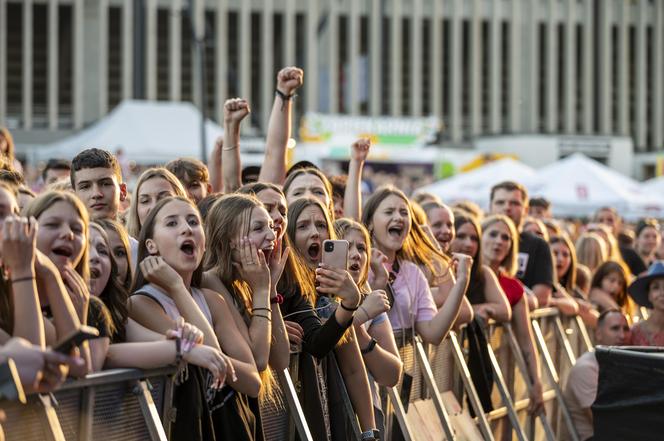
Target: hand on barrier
<point>339,282</point>
<point>536,404</point>
<point>375,303</point>
<point>252,266</point>
<point>40,370</point>
<point>219,365</point>
<point>157,271</point>
<point>295,335</point>
<point>18,245</point>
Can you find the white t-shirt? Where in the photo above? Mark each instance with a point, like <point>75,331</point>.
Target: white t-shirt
<point>580,393</point>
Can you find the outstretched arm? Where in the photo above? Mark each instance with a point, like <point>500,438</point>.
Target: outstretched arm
<point>289,79</point>
<point>214,166</point>
<point>353,194</point>
<point>235,110</point>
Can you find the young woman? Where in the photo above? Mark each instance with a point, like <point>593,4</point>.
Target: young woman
<point>441,220</point>
<point>608,289</point>
<point>500,245</point>
<point>118,240</point>
<point>62,237</point>
<point>591,251</point>
<point>153,185</point>
<point>372,327</point>
<point>647,240</point>
<point>309,182</point>
<point>648,291</point>
<point>310,226</point>
<point>564,257</point>
<point>171,248</point>
<point>536,227</point>
<point>388,217</point>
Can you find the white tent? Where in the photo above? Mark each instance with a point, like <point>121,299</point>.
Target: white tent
<point>476,184</point>
<point>653,186</point>
<point>148,132</point>
<point>578,186</point>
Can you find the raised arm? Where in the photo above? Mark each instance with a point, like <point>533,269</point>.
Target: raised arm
<point>235,110</point>
<point>214,166</point>
<point>289,79</point>
<point>353,195</point>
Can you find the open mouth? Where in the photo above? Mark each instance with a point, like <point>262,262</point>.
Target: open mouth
<point>63,251</point>
<point>314,250</point>
<point>95,272</point>
<point>188,247</point>
<point>354,266</point>
<point>395,232</point>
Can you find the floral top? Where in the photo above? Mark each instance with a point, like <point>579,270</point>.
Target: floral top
<point>642,336</point>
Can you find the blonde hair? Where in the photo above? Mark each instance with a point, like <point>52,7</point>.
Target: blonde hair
<point>510,262</point>
<point>342,227</point>
<point>591,250</point>
<point>540,225</point>
<point>44,201</point>
<point>133,222</point>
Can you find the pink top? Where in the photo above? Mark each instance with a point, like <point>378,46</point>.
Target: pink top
<point>413,301</point>
<point>640,336</point>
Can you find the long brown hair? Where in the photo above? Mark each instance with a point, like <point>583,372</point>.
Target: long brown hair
<point>342,227</point>
<point>320,175</point>
<point>475,292</point>
<point>5,133</point>
<point>509,263</point>
<point>568,280</point>
<point>147,232</point>
<point>608,267</point>
<point>117,228</point>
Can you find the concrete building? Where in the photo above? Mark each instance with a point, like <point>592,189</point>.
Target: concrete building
<point>485,67</point>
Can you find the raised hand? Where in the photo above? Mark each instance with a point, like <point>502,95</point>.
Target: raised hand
<point>375,304</point>
<point>278,260</point>
<point>78,290</point>
<point>359,150</point>
<point>377,264</point>
<point>289,79</point>
<point>18,245</point>
<point>252,266</point>
<point>235,110</point>
<point>463,264</point>
<point>339,282</point>
<point>157,271</point>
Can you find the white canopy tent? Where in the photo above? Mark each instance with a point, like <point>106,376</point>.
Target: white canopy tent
<point>148,132</point>
<point>654,186</point>
<point>578,186</point>
<point>476,184</point>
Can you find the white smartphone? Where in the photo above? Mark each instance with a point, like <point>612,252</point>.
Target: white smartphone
<point>335,253</point>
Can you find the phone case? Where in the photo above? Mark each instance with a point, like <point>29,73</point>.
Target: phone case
<point>337,258</point>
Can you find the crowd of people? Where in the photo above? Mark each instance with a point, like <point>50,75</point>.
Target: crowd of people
<point>222,274</point>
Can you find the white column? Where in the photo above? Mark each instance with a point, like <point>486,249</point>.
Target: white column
<point>151,49</point>
<point>416,59</point>
<point>353,80</point>
<point>221,58</point>
<point>268,72</point>
<point>28,32</point>
<point>642,15</point>
<point>52,86</point>
<point>375,44</point>
<point>515,80</point>
<point>658,77</point>
<point>127,50</point>
<point>570,67</point>
<point>175,51</point>
<point>588,65</point>
<point>290,31</point>
<point>103,57</point>
<point>604,69</point>
<point>532,100</point>
<point>437,62</point>
<point>623,72</point>
<point>78,64</point>
<point>333,54</point>
<point>495,69</point>
<point>311,83</point>
<point>552,69</point>
<point>475,69</point>
<point>455,72</point>
<point>245,50</point>
<point>3,61</point>
<point>395,59</point>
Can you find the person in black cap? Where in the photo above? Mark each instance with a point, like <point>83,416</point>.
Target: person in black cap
<point>648,291</point>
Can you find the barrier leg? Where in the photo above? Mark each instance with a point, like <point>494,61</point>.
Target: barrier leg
<point>50,419</point>
<point>87,411</point>
<point>348,406</point>
<point>149,410</point>
<point>293,402</point>
<point>470,387</point>
<point>564,341</point>
<point>521,363</point>
<point>583,330</point>
<point>553,376</point>
<point>400,413</point>
<point>505,395</point>
<point>423,361</point>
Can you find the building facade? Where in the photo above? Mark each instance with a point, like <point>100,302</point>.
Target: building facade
<point>586,67</point>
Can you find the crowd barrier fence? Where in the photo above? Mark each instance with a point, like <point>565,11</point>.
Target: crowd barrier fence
<point>129,404</point>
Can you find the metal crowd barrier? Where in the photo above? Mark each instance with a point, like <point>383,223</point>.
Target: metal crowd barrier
<point>118,404</point>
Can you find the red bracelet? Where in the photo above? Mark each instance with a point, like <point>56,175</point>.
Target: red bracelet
<point>279,299</point>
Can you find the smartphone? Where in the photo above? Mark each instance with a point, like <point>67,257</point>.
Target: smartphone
<point>75,338</point>
<point>335,253</point>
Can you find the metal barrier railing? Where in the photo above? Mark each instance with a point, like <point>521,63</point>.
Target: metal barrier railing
<point>118,404</point>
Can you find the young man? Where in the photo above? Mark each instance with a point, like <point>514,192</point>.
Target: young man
<point>535,261</point>
<point>194,177</point>
<point>56,170</point>
<point>539,208</point>
<point>97,181</point>
<point>581,388</point>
